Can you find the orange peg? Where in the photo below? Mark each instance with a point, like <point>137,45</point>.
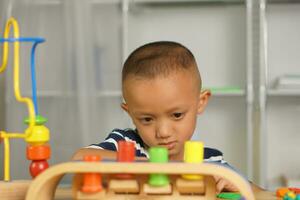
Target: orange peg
<point>280,192</point>
<point>92,182</point>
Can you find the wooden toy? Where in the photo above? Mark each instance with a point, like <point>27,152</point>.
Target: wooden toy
<point>44,185</point>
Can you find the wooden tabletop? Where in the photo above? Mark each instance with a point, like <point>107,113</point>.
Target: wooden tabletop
<point>66,194</point>
<point>16,190</point>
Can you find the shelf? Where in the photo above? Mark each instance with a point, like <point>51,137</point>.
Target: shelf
<point>62,94</point>
<point>168,2</point>
<point>226,91</point>
<point>283,1</point>
<point>59,2</point>
<point>283,92</point>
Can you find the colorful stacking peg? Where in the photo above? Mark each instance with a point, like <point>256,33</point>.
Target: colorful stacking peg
<point>126,153</point>
<point>295,190</point>
<point>92,182</point>
<point>289,195</point>
<point>230,195</point>
<point>193,153</point>
<point>158,155</point>
<point>280,192</point>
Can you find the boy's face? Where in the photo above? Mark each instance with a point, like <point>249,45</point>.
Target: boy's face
<point>164,109</point>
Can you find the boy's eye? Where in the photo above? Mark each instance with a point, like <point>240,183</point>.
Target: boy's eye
<point>146,120</point>
<point>177,115</point>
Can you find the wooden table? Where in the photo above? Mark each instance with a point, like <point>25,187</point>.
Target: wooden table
<point>66,193</point>
<point>18,190</point>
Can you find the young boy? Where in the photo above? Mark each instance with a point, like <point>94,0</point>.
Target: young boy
<point>161,86</point>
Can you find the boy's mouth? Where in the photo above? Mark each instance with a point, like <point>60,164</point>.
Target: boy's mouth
<point>168,145</point>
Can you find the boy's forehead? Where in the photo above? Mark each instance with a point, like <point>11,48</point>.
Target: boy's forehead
<point>176,75</point>
<point>177,83</point>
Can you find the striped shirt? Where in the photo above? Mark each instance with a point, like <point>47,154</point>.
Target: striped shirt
<point>111,143</point>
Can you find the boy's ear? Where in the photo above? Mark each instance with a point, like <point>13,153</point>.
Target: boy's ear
<point>203,100</point>
<point>124,106</point>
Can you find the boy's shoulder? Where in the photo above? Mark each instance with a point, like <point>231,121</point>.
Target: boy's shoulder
<point>127,134</point>
<point>213,155</point>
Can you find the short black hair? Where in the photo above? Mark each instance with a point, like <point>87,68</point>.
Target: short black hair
<point>160,59</point>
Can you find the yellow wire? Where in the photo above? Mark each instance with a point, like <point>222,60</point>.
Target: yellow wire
<point>27,101</point>
<point>6,161</point>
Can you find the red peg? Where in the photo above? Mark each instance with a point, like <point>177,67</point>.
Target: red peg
<point>126,153</point>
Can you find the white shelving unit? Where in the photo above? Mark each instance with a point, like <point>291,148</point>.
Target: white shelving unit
<point>279,108</point>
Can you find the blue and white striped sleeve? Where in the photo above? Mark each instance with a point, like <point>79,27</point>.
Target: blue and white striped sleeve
<point>110,142</point>
<point>213,156</point>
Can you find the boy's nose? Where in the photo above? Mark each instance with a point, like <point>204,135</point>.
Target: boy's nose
<point>163,131</point>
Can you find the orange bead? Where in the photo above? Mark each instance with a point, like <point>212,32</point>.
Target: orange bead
<point>92,182</point>
<point>280,192</point>
<point>38,152</point>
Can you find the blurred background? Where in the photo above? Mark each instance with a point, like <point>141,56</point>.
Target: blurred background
<point>248,53</point>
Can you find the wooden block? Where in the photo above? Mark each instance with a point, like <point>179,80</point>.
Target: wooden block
<point>14,190</point>
<point>124,186</point>
<point>91,196</point>
<point>148,189</point>
<point>190,186</point>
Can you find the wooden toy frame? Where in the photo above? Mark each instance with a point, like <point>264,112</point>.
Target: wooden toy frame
<point>43,187</point>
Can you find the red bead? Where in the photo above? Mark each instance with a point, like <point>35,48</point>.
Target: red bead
<point>37,166</point>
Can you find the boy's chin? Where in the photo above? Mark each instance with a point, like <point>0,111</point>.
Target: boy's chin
<point>175,156</point>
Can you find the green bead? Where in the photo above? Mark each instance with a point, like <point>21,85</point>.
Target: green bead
<point>229,195</point>
<point>39,120</point>
<point>158,155</point>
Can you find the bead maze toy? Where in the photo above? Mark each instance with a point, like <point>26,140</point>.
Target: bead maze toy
<point>36,135</point>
